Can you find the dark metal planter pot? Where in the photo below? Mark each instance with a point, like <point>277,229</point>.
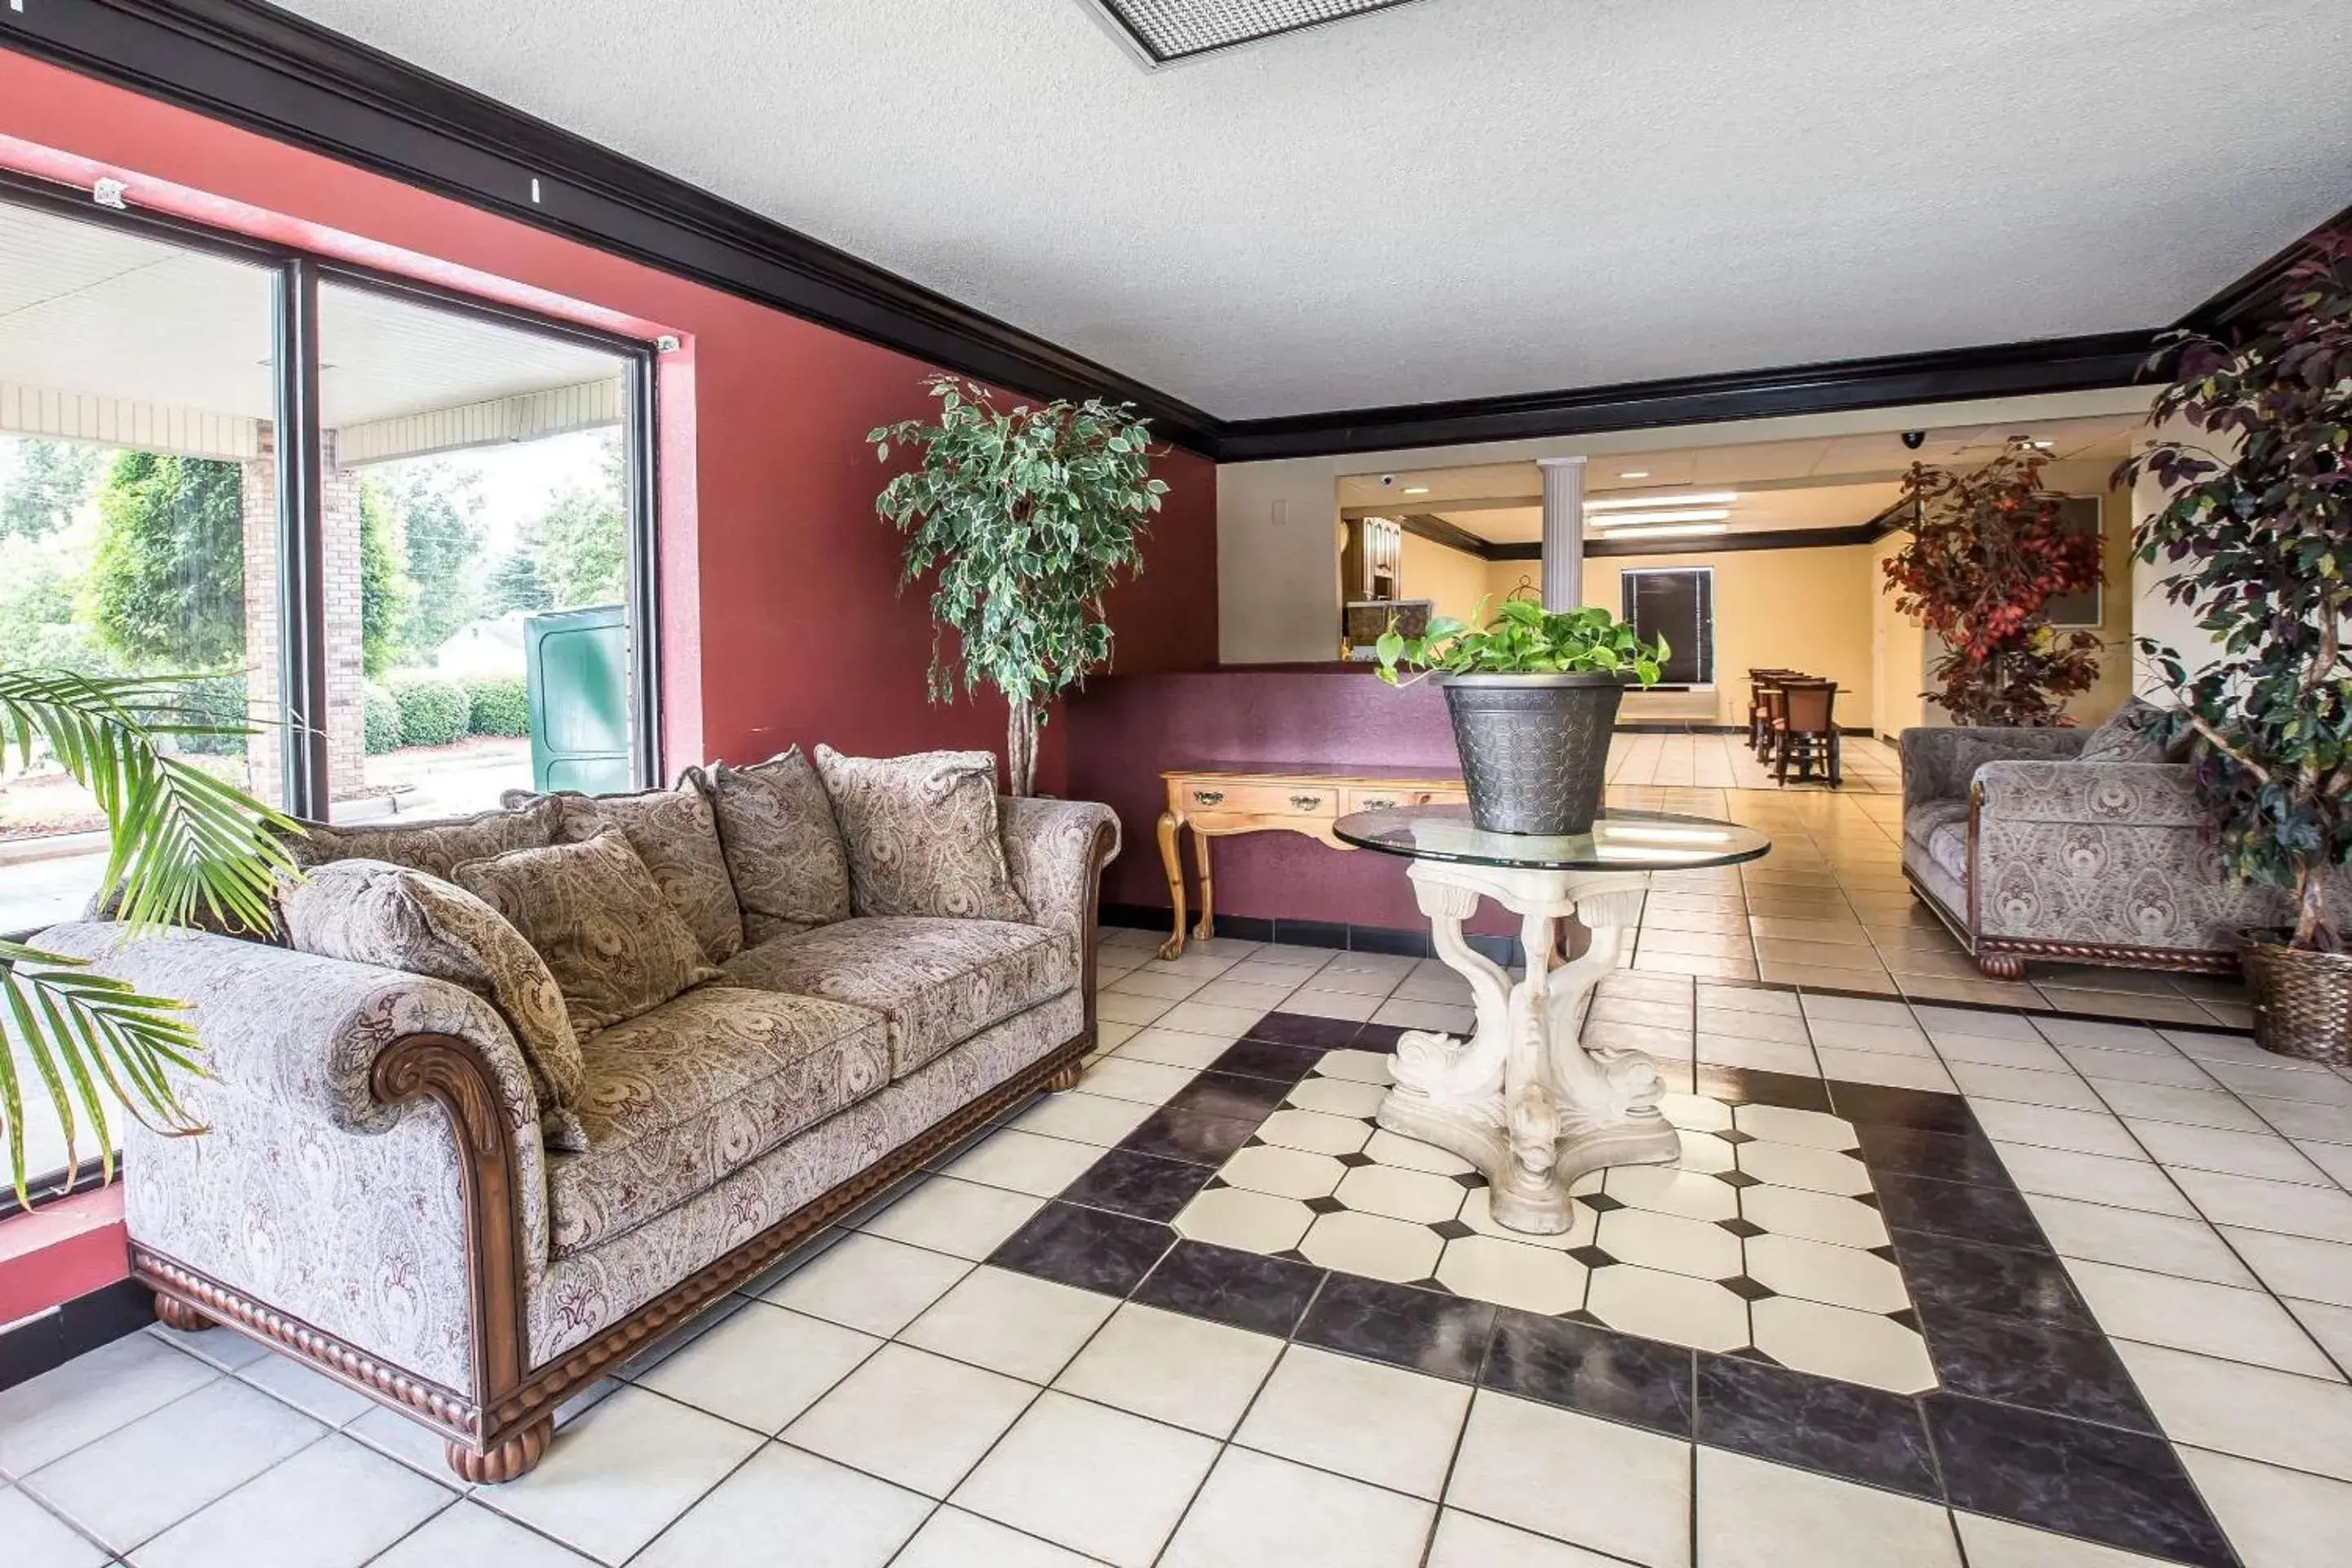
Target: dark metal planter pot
<point>2303,1000</point>
<point>1535,748</point>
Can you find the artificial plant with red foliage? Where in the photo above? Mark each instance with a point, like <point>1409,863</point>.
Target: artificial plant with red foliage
<point>1990,549</point>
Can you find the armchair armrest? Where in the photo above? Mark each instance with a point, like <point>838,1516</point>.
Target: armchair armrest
<point>1938,764</point>
<point>2117,795</point>
<point>1056,850</point>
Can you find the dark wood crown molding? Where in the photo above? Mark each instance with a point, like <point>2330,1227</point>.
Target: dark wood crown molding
<point>2259,291</point>
<point>268,71</point>
<point>1597,547</point>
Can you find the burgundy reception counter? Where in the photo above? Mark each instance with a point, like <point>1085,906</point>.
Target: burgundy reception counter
<point>1124,728</point>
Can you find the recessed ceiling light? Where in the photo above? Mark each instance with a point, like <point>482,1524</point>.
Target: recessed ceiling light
<point>1678,532</point>
<point>2037,445</point>
<point>1416,490</point>
<point>1635,474</point>
<point>1678,514</point>
<point>1627,503</point>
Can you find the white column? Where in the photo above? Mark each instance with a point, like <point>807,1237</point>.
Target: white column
<point>1563,532</point>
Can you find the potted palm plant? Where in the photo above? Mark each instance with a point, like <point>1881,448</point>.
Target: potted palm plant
<point>2259,528</point>
<point>1533,695</point>
<point>184,847</point>
<point>1028,517</point>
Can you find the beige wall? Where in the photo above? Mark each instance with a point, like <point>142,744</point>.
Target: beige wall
<point>1898,652</point>
<point>1277,562</point>
<point>2117,610</point>
<point>1456,580</point>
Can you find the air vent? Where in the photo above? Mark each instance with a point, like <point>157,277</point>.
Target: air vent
<point>1165,31</point>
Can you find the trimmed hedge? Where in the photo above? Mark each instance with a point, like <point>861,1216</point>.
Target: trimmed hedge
<point>498,705</point>
<point>433,713</point>
<point>380,720</point>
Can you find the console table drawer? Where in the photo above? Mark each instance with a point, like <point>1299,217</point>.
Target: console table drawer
<point>1378,798</point>
<point>1207,798</point>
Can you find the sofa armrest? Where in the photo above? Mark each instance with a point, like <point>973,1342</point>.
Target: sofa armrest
<point>1056,850</point>
<point>304,1032</point>
<point>1938,764</point>
<point>2105,794</point>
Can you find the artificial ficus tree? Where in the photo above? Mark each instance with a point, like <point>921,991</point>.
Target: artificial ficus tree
<point>1990,549</point>
<point>2260,532</point>
<point>1027,516</point>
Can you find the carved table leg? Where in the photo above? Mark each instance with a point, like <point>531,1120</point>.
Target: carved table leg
<point>1207,925</point>
<point>175,1313</point>
<point>515,1456</point>
<point>1171,860</point>
<point>1521,1099</point>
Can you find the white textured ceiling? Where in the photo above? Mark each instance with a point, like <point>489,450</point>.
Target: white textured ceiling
<point>1461,198</point>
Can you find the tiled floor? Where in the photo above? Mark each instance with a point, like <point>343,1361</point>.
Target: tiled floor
<point>2127,1247</point>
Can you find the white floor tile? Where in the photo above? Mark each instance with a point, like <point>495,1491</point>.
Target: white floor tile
<point>1678,1245</point>
<point>1316,1132</point>
<point>1509,1273</point>
<point>1466,1541</point>
<point>1983,1050</point>
<point>471,1536</point>
<point>1151,982</point>
<point>1997,1543</point>
<point>37,1538</point>
<point>911,1418</point>
<point>1817,1271</point>
<point>1593,1483</point>
<point>2264,1155</point>
<point>1239,1218</point>
<point>1258,1510</point>
<point>1185,1371</point>
<point>2155,1065</point>
<point>1373,1244</point>
<point>2049,1127</point>
<point>1752,1514</point>
<point>1815,1170</point>
<point>1097,1480</point>
<point>397,1437</point>
<point>1835,1342</point>
<point>1320,1001</point>
<point>1014,1323</point>
<point>1886,1069</point>
<point>1339,1097</point>
<point>963,1218</point>
<point>1745,1024</point>
<point>336,1504</point>
<point>1173,1047</point>
<point>185,1455</point>
<point>2275,1518</point>
<point>869,1283</point>
<point>2136,1184</point>
<point>314,1394</point>
<point>616,1477</point>
<point>1024,1163</point>
<point>954,1539</point>
<point>2297,1265</point>
<point>1379,1424</point>
<point>1207,1019</point>
<point>223,1348</point>
<point>1457,1018</point>
<point>1815,1216</point>
<point>1760,1056</point>
<point>761,1367</point>
<point>2304,1423</point>
<point>2064,1090</point>
<point>1875,1039</point>
<point>785,1505</point>
<point>1128,1078</point>
<point>1675,1308</point>
<point>91,1395</point>
<point>2166,1244</point>
<point>2322,1213</point>
<point>2191,1315</point>
<point>1282,1172</point>
<point>1938,1020</point>
<point>2330,1325</point>
<point>1126,1007</point>
<point>1400,1194</point>
<point>1086,1117</point>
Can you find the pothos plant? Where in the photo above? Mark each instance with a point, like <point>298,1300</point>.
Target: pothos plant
<point>1989,550</point>
<point>2260,530</point>
<point>1524,638</point>
<point>1028,516</point>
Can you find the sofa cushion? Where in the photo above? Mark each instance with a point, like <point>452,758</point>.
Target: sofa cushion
<point>436,846</point>
<point>2133,734</point>
<point>591,911</point>
<point>675,833</point>
<point>1947,847</point>
<point>371,912</point>
<point>1921,818</point>
<point>782,848</point>
<point>922,835</point>
<point>679,1097</point>
<point>938,982</point>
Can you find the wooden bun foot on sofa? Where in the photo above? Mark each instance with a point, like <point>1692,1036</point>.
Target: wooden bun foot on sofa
<point>515,1457</point>
<point>1067,1077</point>
<point>2000,965</point>
<point>175,1313</point>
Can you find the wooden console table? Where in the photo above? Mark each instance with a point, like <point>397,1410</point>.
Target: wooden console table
<point>1218,800</point>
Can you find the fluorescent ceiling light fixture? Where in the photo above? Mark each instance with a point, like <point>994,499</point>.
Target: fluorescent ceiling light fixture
<point>1161,31</point>
<point>1635,474</point>
<point>1679,531</point>
<point>1626,503</point>
<point>1416,490</point>
<point>1699,514</point>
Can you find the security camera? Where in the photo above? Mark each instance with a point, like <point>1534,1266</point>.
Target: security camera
<point>1388,481</point>
<point>1915,439</point>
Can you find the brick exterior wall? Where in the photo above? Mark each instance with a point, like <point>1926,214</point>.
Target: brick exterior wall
<point>340,521</point>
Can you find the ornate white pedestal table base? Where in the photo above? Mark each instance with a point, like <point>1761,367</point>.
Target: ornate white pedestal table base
<point>1522,1098</point>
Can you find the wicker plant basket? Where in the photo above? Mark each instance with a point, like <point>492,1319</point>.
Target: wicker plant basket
<point>2303,1000</point>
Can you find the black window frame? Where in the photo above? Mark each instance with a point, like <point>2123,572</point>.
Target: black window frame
<point>1705,601</point>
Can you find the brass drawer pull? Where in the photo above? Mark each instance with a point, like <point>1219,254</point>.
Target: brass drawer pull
<point>1207,796</point>
<point>1305,802</point>
<point>1379,803</point>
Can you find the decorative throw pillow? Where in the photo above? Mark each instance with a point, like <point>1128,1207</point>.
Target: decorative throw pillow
<point>922,833</point>
<point>371,912</point>
<point>592,912</point>
<point>2130,735</point>
<point>783,849</point>
<point>676,833</point>
<point>433,846</point>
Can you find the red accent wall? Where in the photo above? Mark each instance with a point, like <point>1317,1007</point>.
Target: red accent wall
<point>781,618</point>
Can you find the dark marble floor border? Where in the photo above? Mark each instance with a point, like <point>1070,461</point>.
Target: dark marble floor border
<point>2035,1421</point>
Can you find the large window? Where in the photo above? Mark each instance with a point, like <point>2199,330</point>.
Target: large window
<point>1678,604</point>
<point>405,537</point>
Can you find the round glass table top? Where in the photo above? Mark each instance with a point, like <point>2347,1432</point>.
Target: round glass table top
<point>1619,841</point>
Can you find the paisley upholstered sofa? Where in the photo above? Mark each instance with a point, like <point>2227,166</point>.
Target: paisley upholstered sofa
<point>2080,846</point>
<point>510,1096</point>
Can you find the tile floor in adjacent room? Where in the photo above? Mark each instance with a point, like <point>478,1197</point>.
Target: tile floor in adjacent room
<point>1008,1363</point>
